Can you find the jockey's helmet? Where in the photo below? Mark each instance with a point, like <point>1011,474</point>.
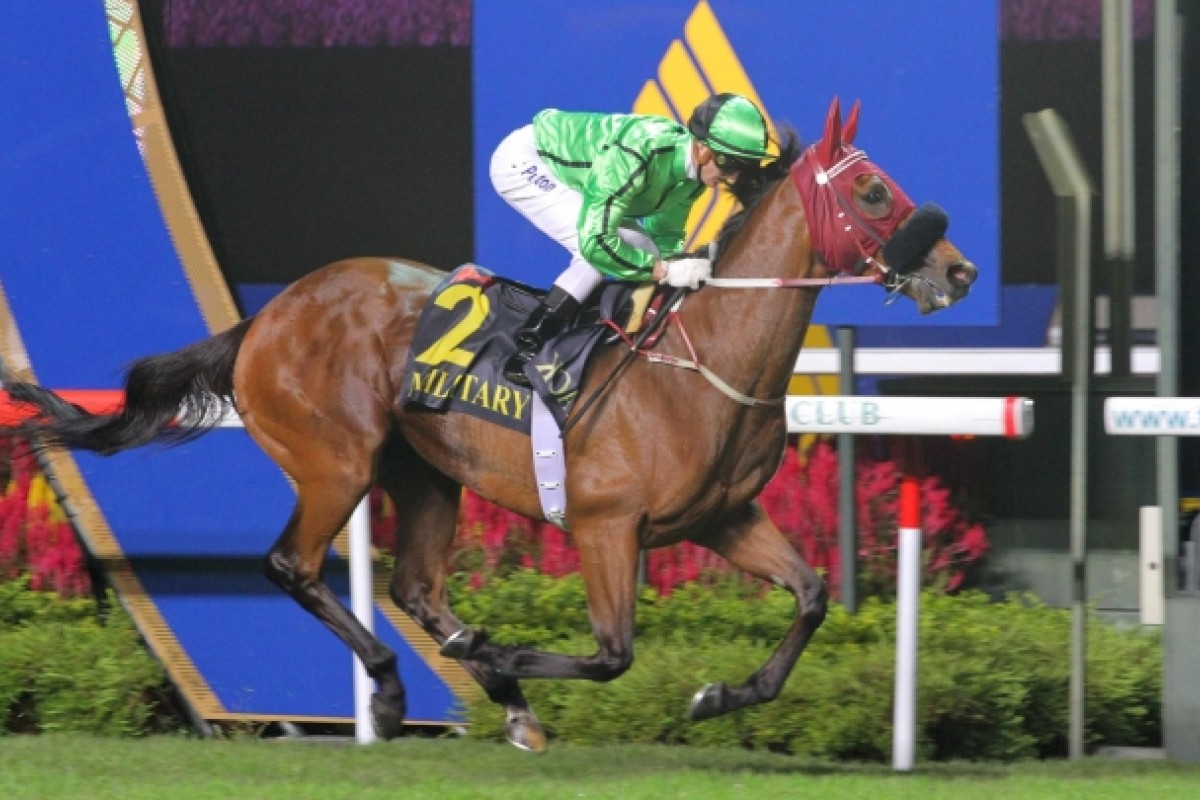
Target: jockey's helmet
<point>733,128</point>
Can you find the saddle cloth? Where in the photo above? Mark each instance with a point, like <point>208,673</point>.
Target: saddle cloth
<point>465,335</point>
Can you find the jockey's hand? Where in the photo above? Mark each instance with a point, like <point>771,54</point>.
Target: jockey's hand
<point>690,271</point>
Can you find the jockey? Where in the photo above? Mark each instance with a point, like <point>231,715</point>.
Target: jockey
<point>615,191</point>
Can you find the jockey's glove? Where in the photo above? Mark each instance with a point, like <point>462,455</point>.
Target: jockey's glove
<point>689,272</point>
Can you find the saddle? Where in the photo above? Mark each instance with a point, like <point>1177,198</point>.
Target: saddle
<point>466,334</point>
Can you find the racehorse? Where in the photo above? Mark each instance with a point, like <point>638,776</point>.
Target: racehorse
<point>664,456</point>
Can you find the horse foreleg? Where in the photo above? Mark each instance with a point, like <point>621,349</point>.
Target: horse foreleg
<point>753,543</point>
<point>608,562</point>
<point>295,565</point>
<point>427,515</point>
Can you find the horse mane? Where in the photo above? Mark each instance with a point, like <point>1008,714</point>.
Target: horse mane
<point>752,186</point>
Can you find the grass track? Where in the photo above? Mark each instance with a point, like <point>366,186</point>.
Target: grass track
<point>59,767</point>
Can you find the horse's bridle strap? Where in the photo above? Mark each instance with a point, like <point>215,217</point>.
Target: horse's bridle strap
<point>789,283</point>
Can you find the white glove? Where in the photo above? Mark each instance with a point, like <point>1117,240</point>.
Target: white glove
<point>689,272</point>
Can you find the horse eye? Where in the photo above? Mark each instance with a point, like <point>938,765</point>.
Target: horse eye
<point>877,195</point>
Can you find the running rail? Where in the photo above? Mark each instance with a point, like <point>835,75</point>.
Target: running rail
<point>1011,417</point>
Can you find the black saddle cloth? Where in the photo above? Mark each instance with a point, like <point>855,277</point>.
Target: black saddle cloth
<point>466,334</point>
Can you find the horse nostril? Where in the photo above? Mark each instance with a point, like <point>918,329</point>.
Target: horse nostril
<point>963,273</point>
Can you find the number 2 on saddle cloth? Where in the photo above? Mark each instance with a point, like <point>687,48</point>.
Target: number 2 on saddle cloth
<point>465,335</point>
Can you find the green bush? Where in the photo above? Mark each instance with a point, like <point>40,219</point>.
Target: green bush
<point>992,676</point>
<point>66,666</point>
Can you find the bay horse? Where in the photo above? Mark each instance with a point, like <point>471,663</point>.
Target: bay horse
<point>664,457</point>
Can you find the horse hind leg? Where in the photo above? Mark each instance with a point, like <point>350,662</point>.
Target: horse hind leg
<point>753,543</point>
<point>295,563</point>
<point>427,516</point>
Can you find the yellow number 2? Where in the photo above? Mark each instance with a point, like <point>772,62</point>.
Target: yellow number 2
<point>446,348</point>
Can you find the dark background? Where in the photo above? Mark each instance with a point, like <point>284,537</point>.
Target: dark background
<point>299,156</point>
<point>1065,75</point>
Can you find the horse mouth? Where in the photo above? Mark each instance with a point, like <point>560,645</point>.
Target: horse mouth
<point>953,286</point>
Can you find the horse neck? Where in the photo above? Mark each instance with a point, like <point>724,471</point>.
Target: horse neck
<point>751,337</point>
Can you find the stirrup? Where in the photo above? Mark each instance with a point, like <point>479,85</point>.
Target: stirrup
<point>514,368</point>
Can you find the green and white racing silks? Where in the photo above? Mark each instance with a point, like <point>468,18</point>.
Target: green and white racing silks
<point>630,169</point>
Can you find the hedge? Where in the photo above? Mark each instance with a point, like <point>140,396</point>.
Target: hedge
<point>74,665</point>
<point>992,676</point>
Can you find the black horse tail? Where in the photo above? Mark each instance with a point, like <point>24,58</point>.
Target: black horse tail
<point>169,398</point>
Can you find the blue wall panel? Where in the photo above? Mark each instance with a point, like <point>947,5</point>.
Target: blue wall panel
<point>927,74</point>
<point>93,282</point>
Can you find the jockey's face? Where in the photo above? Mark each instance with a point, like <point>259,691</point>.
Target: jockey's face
<point>707,170</point>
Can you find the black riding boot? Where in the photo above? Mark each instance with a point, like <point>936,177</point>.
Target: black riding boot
<point>546,320</point>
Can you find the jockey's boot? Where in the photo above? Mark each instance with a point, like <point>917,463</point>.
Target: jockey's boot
<point>546,320</point>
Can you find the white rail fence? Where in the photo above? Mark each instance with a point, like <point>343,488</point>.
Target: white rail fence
<point>1011,417</point>
<point>1157,416</point>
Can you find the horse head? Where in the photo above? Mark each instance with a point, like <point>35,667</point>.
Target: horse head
<point>860,219</point>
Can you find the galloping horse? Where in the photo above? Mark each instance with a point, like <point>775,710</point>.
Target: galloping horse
<point>664,456</point>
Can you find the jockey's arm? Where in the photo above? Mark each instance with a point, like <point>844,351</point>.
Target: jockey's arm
<point>666,228</point>
<point>613,182</point>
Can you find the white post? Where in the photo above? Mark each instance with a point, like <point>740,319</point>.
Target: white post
<point>908,592</point>
<point>1150,535</point>
<point>361,605</point>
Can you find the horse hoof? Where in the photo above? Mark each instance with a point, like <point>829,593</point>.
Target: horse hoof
<point>386,718</point>
<point>526,734</point>
<point>458,644</point>
<point>708,702</point>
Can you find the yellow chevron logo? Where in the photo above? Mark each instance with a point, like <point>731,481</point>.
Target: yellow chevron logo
<point>702,64</point>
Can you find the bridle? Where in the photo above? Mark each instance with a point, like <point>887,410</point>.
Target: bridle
<point>852,236</point>
<point>854,242</point>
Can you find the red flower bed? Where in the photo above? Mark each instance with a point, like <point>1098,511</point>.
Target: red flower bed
<point>802,501</point>
<point>35,535</point>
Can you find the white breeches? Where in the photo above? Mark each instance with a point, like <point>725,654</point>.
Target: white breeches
<point>522,178</point>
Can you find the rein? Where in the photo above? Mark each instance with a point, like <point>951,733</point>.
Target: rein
<point>694,362</point>
<point>866,237</point>
<point>790,283</point>
<point>895,287</point>
<point>823,179</point>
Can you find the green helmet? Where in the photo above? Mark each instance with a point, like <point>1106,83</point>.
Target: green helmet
<point>732,126</point>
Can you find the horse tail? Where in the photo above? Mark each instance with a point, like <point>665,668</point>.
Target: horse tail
<point>169,398</point>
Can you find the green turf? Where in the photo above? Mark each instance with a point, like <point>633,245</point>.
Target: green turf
<point>48,767</point>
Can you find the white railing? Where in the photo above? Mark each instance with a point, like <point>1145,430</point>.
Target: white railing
<point>981,416</point>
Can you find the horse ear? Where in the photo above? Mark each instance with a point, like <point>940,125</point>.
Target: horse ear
<point>831,142</point>
<point>851,127</point>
